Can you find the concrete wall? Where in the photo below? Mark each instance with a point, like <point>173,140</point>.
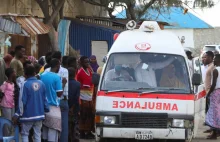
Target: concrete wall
<point>187,33</point>
<point>71,9</point>
<point>206,36</point>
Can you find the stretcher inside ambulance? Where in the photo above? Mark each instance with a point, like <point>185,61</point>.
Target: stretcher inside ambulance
<point>145,90</point>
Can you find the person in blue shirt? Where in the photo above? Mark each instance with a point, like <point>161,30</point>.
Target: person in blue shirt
<point>32,105</point>
<point>74,93</point>
<point>54,90</point>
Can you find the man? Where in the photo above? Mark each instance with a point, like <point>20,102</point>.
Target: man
<point>63,73</point>
<point>65,61</point>
<point>52,123</point>
<point>190,61</point>
<point>204,67</point>
<point>212,116</point>
<point>118,74</point>
<point>145,71</point>
<point>84,76</point>
<point>33,98</point>
<point>209,55</point>
<point>16,63</point>
<point>74,94</point>
<point>72,63</point>
<point>208,61</point>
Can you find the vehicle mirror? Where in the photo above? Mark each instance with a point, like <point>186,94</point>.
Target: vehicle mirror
<point>95,79</point>
<point>196,79</point>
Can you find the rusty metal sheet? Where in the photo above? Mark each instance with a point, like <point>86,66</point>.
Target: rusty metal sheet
<point>32,25</point>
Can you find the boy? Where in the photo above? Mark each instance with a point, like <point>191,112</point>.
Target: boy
<point>54,90</point>
<point>32,106</point>
<point>74,93</point>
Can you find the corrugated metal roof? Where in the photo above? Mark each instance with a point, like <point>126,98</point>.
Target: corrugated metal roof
<point>81,35</point>
<point>174,16</point>
<point>32,25</point>
<point>9,26</point>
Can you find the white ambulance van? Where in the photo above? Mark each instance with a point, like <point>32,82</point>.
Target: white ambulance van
<point>146,90</point>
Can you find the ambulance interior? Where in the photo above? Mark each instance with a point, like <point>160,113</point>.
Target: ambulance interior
<point>142,72</point>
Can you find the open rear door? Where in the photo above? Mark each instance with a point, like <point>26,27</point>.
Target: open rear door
<point>200,101</point>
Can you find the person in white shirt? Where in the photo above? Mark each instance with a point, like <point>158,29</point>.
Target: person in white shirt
<point>118,74</point>
<point>145,71</point>
<point>204,67</point>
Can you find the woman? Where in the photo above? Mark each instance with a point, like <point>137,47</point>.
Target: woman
<point>32,59</point>
<point>84,76</point>
<point>169,78</point>
<point>93,63</point>
<point>213,114</point>
<point>7,60</point>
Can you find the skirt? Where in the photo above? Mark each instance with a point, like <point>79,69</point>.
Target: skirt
<point>53,118</point>
<point>86,120</point>
<point>213,114</point>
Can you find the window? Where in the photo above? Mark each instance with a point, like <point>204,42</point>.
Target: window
<point>209,48</point>
<point>146,72</point>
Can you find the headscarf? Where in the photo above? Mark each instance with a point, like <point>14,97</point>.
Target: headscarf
<point>167,81</point>
<point>94,65</point>
<point>42,61</point>
<point>7,60</point>
<point>32,59</point>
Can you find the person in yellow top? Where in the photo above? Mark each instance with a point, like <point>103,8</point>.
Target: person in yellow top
<point>169,78</point>
<point>48,58</point>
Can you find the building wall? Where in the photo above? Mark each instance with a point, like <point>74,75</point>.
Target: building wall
<point>82,34</point>
<point>71,9</point>
<point>206,36</point>
<point>187,33</point>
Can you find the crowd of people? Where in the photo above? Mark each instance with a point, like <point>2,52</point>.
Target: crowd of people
<point>51,99</point>
<point>211,79</point>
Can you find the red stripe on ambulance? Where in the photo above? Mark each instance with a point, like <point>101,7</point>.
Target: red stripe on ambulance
<point>147,95</point>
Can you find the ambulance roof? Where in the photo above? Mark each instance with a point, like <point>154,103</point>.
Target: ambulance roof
<point>158,41</point>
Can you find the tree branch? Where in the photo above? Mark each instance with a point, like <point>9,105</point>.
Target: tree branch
<point>143,11</point>
<point>44,5</point>
<point>55,12</point>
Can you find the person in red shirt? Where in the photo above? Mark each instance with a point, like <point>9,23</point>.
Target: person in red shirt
<point>84,76</point>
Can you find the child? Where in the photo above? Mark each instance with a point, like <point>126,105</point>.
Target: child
<point>74,93</point>
<point>32,105</point>
<point>7,102</point>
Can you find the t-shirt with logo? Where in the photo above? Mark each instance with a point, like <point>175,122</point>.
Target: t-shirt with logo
<point>53,85</point>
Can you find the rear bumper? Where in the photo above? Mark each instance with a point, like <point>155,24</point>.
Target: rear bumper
<point>172,133</point>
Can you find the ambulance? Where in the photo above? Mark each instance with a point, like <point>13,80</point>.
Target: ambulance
<point>146,90</point>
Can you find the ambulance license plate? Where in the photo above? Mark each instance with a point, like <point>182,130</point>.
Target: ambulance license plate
<point>143,136</point>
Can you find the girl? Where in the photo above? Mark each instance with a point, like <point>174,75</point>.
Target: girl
<point>7,102</point>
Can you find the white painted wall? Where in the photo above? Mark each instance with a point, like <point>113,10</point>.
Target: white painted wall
<point>187,33</point>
